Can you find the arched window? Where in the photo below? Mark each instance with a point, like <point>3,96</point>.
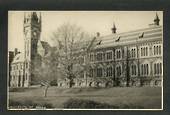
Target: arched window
<point>133,69</point>
<point>91,57</point>
<point>109,71</point>
<point>99,72</point>
<point>99,56</point>
<point>146,51</point>
<point>141,51</point>
<point>157,68</point>
<point>159,50</point>
<point>147,69</point>
<point>134,53</point>
<point>118,54</point>
<point>91,72</point>
<point>160,68</point>
<point>109,55</point>
<point>154,68</point>
<point>144,69</point>
<point>118,70</point>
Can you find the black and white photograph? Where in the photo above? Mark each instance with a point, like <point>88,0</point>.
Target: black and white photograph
<point>85,60</point>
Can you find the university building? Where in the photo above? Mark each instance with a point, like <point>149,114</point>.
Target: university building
<point>21,69</point>
<point>133,58</point>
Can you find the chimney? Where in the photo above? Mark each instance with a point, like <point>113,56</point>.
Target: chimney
<point>113,29</point>
<point>15,51</point>
<point>98,34</point>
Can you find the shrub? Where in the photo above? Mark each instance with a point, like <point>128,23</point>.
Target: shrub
<point>86,104</point>
<point>54,83</point>
<point>29,104</point>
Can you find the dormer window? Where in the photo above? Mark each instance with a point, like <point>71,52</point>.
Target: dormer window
<point>141,35</point>
<point>99,43</point>
<point>118,39</point>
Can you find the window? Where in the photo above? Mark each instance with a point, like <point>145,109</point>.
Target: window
<point>133,52</point>
<point>99,56</point>
<point>157,50</point>
<point>133,69</point>
<point>91,72</point>
<point>118,54</point>
<point>109,55</point>
<point>144,69</point>
<point>144,51</point>
<point>157,68</point>
<point>118,70</point>
<point>99,72</point>
<point>26,65</point>
<point>91,57</point>
<point>25,76</point>
<point>109,71</point>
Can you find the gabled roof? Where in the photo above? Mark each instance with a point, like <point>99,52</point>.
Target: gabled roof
<point>18,58</point>
<point>45,45</point>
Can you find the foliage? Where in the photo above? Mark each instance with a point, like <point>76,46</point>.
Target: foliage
<point>86,104</point>
<point>29,104</point>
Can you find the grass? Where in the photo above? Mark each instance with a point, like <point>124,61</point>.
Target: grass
<point>120,97</point>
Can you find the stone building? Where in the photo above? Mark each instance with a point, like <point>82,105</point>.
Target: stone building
<point>21,66</point>
<point>133,58</point>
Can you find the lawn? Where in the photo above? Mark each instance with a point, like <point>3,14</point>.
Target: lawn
<point>121,97</point>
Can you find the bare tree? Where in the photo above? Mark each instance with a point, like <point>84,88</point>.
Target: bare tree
<point>73,45</point>
<point>44,69</point>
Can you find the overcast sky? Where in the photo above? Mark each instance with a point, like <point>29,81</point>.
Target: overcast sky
<point>90,21</point>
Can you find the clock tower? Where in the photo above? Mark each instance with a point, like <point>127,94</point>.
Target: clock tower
<point>32,31</point>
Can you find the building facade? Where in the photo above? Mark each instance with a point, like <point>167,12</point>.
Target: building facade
<point>133,58</point>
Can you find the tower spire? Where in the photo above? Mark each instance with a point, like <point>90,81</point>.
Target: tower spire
<point>156,20</point>
<point>113,29</point>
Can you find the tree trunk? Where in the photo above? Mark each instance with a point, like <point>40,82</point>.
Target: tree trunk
<point>45,92</point>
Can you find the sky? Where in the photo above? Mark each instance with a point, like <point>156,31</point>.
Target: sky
<point>91,22</point>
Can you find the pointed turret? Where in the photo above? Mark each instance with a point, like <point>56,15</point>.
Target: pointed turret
<point>113,29</point>
<point>156,20</point>
<point>32,19</point>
